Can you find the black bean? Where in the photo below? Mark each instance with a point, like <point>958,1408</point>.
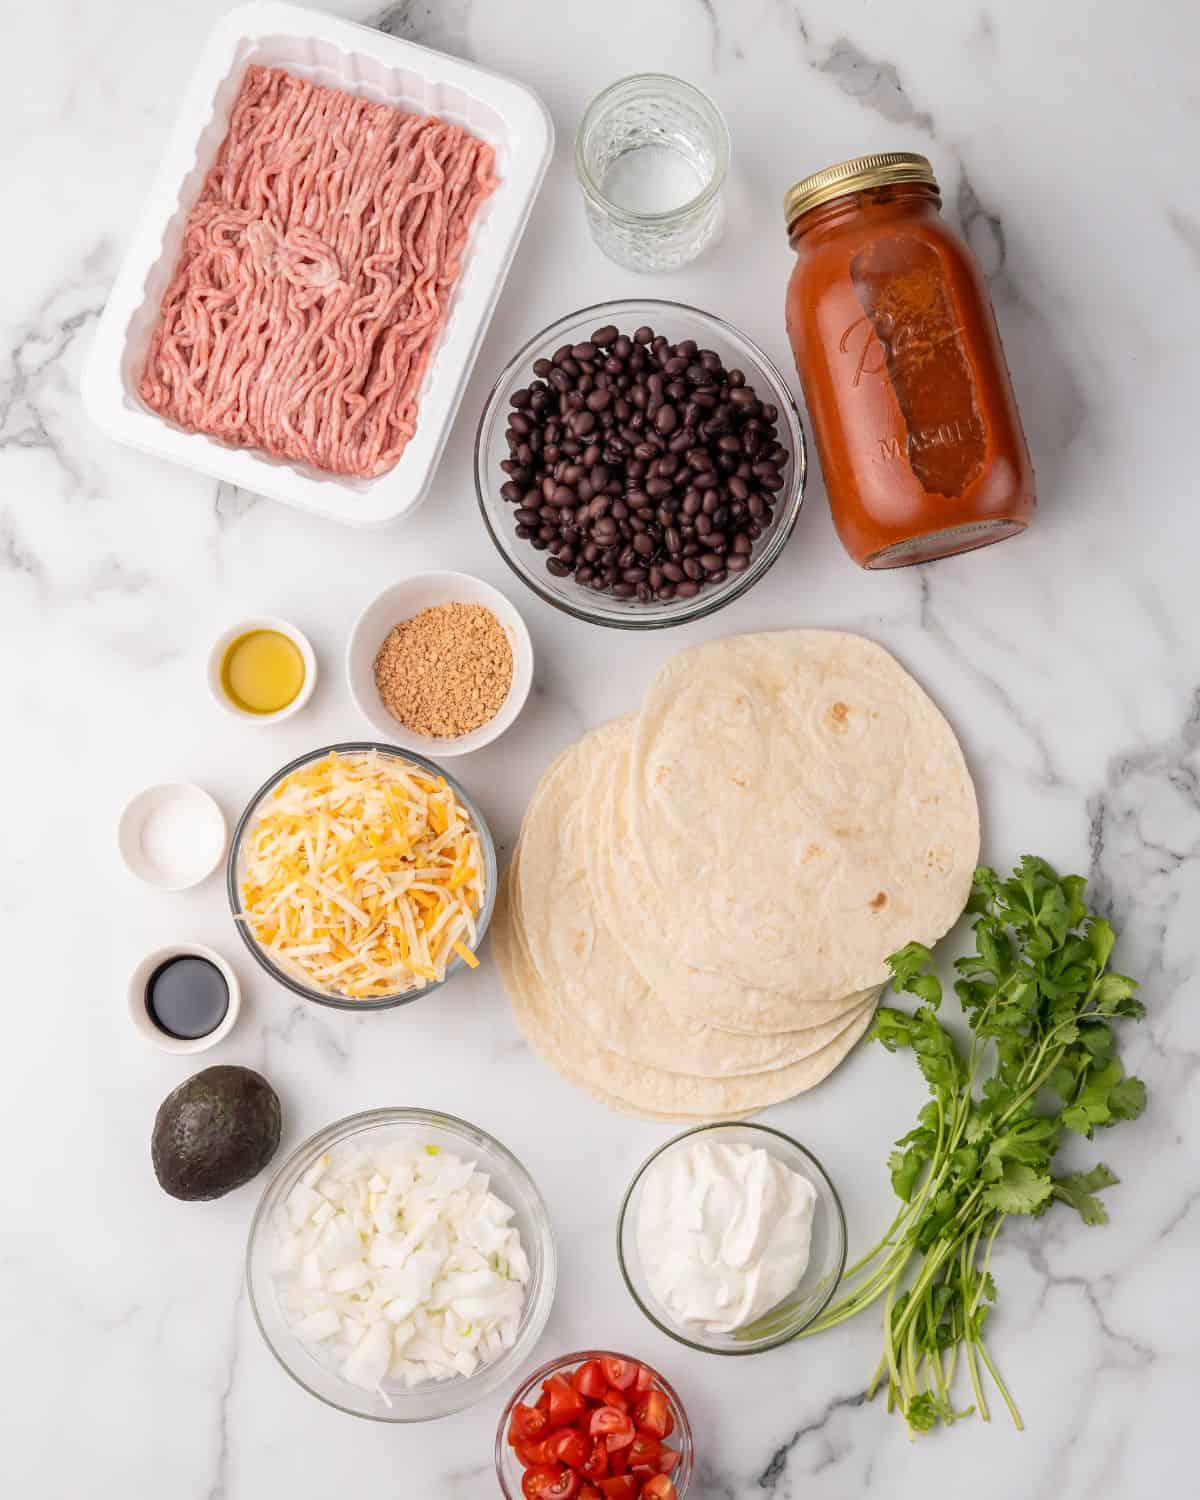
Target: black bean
<point>643,335</point>
<point>603,337</point>
<point>666,419</point>
<point>692,568</point>
<point>737,562</point>
<point>686,590</point>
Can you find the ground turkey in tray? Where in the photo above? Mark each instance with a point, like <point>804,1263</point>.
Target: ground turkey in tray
<point>315,274</point>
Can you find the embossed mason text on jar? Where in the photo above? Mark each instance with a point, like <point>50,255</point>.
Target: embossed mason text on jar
<point>897,349</point>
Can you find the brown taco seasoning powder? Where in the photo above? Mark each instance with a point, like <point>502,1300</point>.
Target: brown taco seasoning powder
<point>446,671</point>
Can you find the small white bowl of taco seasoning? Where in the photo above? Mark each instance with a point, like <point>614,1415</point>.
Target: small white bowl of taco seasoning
<point>184,998</point>
<point>172,836</point>
<point>440,663</point>
<point>262,670</point>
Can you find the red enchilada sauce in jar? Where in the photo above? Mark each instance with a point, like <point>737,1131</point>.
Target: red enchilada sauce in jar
<point>897,349</point>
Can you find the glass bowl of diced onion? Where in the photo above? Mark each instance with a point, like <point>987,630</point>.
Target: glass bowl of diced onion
<point>293,1283</point>
<point>312,960</point>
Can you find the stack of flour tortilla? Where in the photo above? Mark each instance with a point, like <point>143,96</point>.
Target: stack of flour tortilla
<point>703,896</point>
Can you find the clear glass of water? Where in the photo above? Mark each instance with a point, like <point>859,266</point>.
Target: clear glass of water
<point>651,156</point>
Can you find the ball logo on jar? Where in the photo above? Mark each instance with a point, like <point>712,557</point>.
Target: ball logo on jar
<point>879,342</point>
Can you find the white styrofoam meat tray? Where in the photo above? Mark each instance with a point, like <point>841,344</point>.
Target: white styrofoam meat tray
<point>339,53</point>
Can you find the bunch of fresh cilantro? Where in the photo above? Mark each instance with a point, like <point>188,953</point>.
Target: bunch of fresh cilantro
<point>1042,1062</point>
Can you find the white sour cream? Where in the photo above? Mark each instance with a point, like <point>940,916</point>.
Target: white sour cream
<point>723,1233</point>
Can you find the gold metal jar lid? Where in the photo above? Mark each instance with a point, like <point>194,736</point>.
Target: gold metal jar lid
<point>855,176</point>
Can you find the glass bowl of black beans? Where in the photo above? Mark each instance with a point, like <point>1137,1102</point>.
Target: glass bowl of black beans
<point>640,464</point>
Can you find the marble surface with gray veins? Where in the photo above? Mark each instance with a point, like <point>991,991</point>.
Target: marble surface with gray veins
<point>1064,136</point>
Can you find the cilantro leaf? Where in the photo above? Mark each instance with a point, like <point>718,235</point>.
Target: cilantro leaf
<point>1078,1189</point>
<point>1021,1190</point>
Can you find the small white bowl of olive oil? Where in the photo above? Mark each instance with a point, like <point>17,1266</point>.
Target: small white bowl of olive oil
<point>262,670</point>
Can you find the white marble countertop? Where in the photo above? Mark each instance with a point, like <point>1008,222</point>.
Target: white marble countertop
<point>1065,138</point>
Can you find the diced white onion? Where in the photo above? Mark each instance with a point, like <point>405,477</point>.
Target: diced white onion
<point>402,1263</point>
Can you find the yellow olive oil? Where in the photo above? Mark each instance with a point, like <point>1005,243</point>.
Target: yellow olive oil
<point>262,672</point>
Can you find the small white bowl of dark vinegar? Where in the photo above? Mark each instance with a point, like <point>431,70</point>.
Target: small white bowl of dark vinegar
<point>184,998</point>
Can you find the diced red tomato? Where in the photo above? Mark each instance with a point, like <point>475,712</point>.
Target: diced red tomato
<point>596,1464</point>
<point>620,1372</point>
<point>570,1447</point>
<point>589,1380</point>
<point>543,1401</point>
<point>643,1450</point>
<point>566,1487</point>
<point>613,1397</point>
<point>535,1455</point>
<point>659,1488</point>
<point>589,1492</point>
<point>618,1461</point>
<point>614,1426</point>
<point>644,1380</point>
<point>528,1423</point>
<point>653,1414</point>
<point>546,1483</point>
<point>667,1459</point>
<point>624,1487</point>
<point>566,1404</point>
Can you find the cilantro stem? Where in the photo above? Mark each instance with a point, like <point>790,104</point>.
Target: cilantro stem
<point>1000,1386</point>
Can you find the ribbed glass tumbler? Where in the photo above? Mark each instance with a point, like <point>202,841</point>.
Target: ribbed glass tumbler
<point>651,157</point>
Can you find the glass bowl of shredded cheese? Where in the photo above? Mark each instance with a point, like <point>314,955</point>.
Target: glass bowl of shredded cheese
<point>361,876</point>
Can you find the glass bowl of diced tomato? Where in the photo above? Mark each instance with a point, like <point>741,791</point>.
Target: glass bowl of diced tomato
<point>594,1426</point>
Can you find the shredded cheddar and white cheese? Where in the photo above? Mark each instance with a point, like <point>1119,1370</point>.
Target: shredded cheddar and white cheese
<point>363,876</point>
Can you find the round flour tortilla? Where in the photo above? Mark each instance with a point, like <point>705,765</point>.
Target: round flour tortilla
<point>803,810</point>
<point>650,1092</point>
<point>631,909</point>
<point>577,955</point>
<point>515,975</point>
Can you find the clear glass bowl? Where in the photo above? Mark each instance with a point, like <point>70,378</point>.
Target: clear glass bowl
<point>677,321</point>
<point>233,877</point>
<point>510,1182</point>
<point>509,1467</point>
<point>826,1261</point>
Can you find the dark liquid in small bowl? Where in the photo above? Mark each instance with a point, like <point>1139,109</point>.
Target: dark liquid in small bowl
<point>187,997</point>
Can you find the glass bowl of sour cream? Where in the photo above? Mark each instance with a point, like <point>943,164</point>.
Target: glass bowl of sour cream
<point>732,1238</point>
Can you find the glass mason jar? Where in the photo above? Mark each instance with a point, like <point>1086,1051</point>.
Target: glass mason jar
<point>897,349</point>
<point>651,156</point>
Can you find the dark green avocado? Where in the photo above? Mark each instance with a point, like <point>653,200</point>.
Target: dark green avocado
<point>215,1132</point>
